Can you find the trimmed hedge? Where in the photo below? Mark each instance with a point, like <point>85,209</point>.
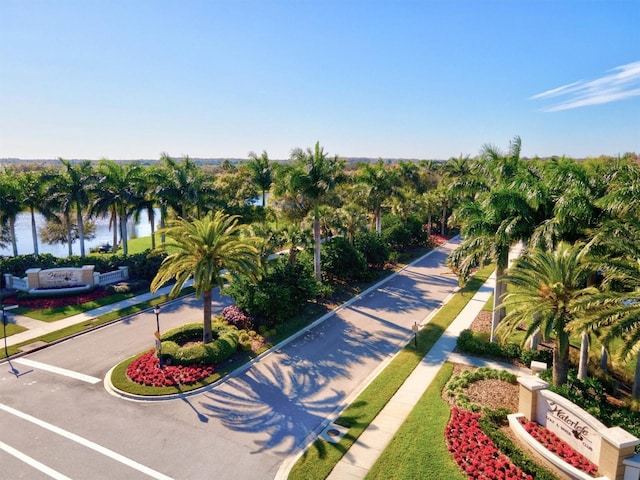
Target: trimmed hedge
<point>468,343</point>
<point>224,344</point>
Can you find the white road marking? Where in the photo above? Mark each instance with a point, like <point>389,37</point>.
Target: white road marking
<point>33,462</point>
<point>87,443</point>
<point>60,371</point>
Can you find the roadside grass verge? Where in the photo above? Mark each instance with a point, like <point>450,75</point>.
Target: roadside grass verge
<point>320,458</point>
<point>12,329</point>
<point>418,449</point>
<point>58,313</point>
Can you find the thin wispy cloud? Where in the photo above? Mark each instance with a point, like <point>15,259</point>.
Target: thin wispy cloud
<point>620,83</point>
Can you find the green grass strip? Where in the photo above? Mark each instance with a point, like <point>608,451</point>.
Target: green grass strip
<point>319,459</point>
<point>12,329</point>
<point>418,449</point>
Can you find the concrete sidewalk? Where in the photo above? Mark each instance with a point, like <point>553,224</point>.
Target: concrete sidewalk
<point>37,328</point>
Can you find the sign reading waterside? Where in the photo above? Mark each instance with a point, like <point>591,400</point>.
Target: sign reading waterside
<point>569,422</point>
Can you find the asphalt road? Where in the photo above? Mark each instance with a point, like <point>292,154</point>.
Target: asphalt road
<point>55,424</point>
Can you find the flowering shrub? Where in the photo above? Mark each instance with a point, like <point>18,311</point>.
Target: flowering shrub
<point>234,315</point>
<point>437,240</point>
<point>146,370</point>
<point>475,453</point>
<point>75,299</point>
<point>551,442</point>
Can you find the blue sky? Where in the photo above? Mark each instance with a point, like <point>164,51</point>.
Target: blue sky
<point>394,79</point>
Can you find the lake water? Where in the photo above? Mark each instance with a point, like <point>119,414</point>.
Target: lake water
<point>102,235</point>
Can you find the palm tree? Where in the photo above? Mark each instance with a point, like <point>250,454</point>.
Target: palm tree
<point>185,186</point>
<point>77,183</point>
<point>261,173</point>
<point>381,183</point>
<point>33,187</point>
<point>310,181</point>
<point>546,289</point>
<point>11,204</point>
<point>115,191</point>
<point>498,210</point>
<point>210,251</point>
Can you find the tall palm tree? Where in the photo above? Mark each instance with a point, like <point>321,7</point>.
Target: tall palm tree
<point>33,188</point>
<point>115,190</point>
<point>381,182</point>
<point>185,186</point>
<point>546,291</point>
<point>311,179</point>
<point>210,251</point>
<point>77,182</point>
<point>499,209</point>
<point>11,194</point>
<point>261,173</point>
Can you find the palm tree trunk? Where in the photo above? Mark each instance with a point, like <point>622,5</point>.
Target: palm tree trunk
<point>444,219</point>
<point>80,230</point>
<point>206,327</point>
<point>113,223</point>
<point>152,221</point>
<point>584,356</point>
<point>604,359</point>
<point>163,215</point>
<point>561,359</point>
<point>635,391</point>
<point>429,225</point>
<point>316,246</point>
<point>498,313</point>
<point>12,233</point>
<point>123,234</point>
<point>69,237</point>
<point>34,232</point>
<point>378,217</point>
<point>535,338</point>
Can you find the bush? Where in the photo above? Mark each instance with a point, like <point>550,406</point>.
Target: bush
<point>234,315</point>
<point>469,343</point>
<point>279,296</point>
<point>372,246</point>
<point>224,345</point>
<point>341,260</point>
<point>402,234</point>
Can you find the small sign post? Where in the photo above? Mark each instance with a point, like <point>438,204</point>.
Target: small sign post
<point>415,329</point>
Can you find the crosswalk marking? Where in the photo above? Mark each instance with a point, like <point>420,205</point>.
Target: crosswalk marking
<point>60,371</point>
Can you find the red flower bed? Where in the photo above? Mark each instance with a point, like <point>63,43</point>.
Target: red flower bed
<point>551,442</point>
<point>146,370</point>
<point>62,301</point>
<point>475,453</point>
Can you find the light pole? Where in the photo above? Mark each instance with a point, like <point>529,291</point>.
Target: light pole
<point>156,310</point>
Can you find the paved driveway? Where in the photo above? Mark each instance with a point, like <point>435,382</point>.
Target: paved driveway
<point>243,428</point>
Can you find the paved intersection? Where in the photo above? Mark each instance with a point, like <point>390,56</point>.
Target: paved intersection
<point>245,427</point>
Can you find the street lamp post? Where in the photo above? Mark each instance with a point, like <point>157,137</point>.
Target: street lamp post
<point>156,310</point>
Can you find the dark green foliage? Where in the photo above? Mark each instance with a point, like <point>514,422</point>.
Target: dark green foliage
<point>279,296</point>
<point>182,345</point>
<point>469,343</point>
<point>341,260</point>
<point>373,247</point>
<point>401,234</point>
<point>490,422</point>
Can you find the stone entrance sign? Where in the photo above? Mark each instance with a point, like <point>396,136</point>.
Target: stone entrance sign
<point>55,278</point>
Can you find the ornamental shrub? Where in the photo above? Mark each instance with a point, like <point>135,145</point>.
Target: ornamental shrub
<point>372,246</point>
<point>341,260</point>
<point>224,344</point>
<point>279,295</point>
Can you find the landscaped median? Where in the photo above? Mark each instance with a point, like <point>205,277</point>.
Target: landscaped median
<point>321,457</point>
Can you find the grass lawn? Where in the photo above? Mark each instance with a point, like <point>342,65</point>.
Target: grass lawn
<point>58,313</point>
<point>418,449</point>
<point>11,329</point>
<point>319,459</point>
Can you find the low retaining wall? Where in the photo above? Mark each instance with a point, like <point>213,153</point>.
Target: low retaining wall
<point>69,279</point>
